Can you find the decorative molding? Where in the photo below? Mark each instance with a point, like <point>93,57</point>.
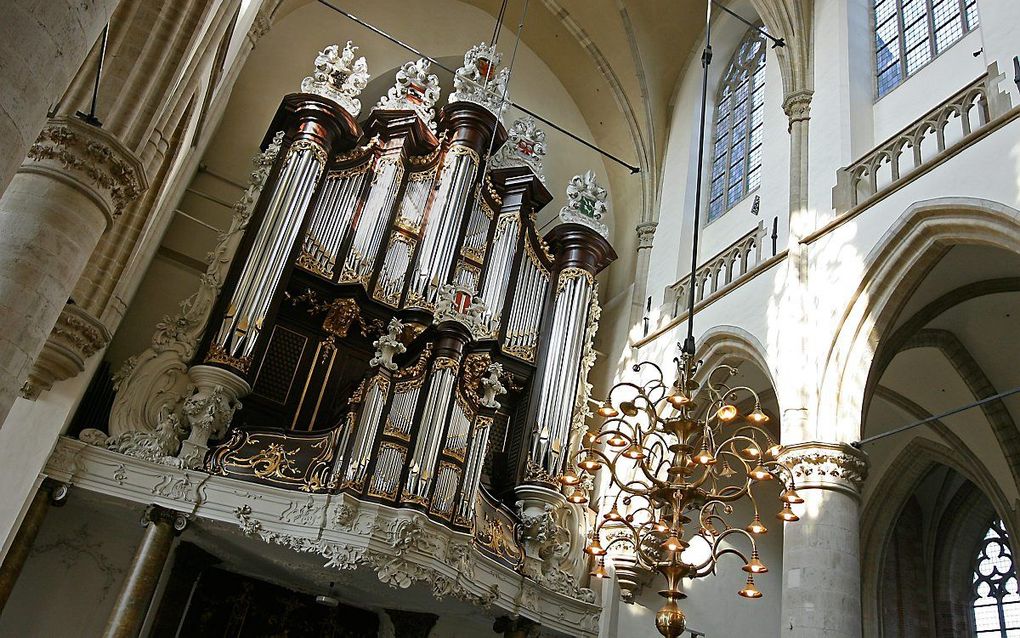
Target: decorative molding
<point>338,76</point>
<point>402,547</point>
<point>415,90</point>
<point>157,379</point>
<point>646,234</point>
<point>388,346</point>
<point>586,203</point>
<point>478,81</point>
<point>797,106</point>
<point>834,466</point>
<point>525,146</point>
<point>456,303</point>
<point>76,337</point>
<point>92,158</point>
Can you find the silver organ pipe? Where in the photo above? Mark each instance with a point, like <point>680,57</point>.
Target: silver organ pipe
<point>264,268</point>
<point>331,219</point>
<point>457,434</point>
<point>526,311</point>
<point>447,479</point>
<point>368,426</point>
<point>473,469</point>
<point>499,264</point>
<point>433,418</point>
<point>442,225</point>
<point>370,227</point>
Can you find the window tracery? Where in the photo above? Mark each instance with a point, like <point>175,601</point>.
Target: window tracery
<point>911,33</point>
<point>739,114</point>
<point>996,595</point>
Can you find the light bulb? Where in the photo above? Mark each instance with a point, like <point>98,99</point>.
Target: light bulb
<point>758,416</point>
<point>756,527</point>
<point>569,478</point>
<point>634,452</point>
<point>787,515</point>
<point>759,473</point>
<point>613,515</point>
<point>678,400</point>
<point>607,411</point>
<point>791,496</point>
<point>590,464</point>
<point>755,566</point>
<point>727,412</point>
<point>617,440</point>
<point>749,590</point>
<point>595,548</point>
<point>600,571</point>
<point>704,457</point>
<point>578,496</point>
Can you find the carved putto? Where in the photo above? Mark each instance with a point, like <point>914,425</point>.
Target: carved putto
<point>388,346</point>
<point>339,77</point>
<point>525,146</point>
<point>479,82</point>
<point>492,386</point>
<point>586,203</point>
<point>458,304</point>
<point>415,90</point>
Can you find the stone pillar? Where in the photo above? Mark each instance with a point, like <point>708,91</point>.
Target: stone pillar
<point>76,180</point>
<point>516,627</point>
<point>646,235</point>
<point>132,604</point>
<point>50,492</point>
<point>821,552</point>
<point>42,45</point>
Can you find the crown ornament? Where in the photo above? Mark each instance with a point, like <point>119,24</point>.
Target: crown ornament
<point>338,76</point>
<point>478,80</point>
<point>586,203</point>
<point>415,90</point>
<point>525,147</point>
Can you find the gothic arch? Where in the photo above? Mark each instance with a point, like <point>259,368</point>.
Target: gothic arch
<point>896,486</point>
<point>897,265</point>
<point>721,342</point>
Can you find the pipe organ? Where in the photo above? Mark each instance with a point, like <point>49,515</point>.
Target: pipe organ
<point>393,321</point>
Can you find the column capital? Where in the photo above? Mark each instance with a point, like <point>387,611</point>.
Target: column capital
<point>161,515</point>
<point>797,105</point>
<point>826,466</point>
<point>91,159</point>
<point>645,234</point>
<point>74,339</point>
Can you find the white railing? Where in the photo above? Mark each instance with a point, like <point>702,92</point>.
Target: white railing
<point>716,274</point>
<point>945,129</point>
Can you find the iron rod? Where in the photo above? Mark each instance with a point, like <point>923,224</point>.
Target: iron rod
<point>936,417</point>
<point>633,169</point>
<point>776,42</point>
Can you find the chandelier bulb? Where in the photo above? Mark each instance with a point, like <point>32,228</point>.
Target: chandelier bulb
<point>787,515</point>
<point>755,566</point>
<point>759,473</point>
<point>791,496</point>
<point>749,590</point>
<point>678,400</point>
<point>590,464</point>
<point>635,452</point>
<point>595,548</point>
<point>774,450</point>
<point>617,440</point>
<point>727,412</point>
<point>704,457</point>
<point>613,515</point>
<point>607,411</point>
<point>569,478</point>
<point>600,570</point>
<point>757,527</point>
<point>578,496</point>
<point>757,416</point>
<point>751,452</point>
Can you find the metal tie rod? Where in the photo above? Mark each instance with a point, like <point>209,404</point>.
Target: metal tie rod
<point>633,169</point>
<point>936,417</point>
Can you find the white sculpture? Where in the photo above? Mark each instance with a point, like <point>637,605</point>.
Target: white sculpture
<point>479,82</point>
<point>586,203</point>
<point>339,77</point>
<point>388,346</point>
<point>415,90</point>
<point>492,386</point>
<point>525,146</point>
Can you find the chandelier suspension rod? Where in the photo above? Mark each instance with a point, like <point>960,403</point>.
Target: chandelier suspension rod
<point>499,23</point>
<point>776,42</point>
<point>936,417</point>
<point>510,73</point>
<point>90,117</point>
<point>630,167</point>
<point>706,61</point>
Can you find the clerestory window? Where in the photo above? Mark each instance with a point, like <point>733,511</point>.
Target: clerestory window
<point>911,33</point>
<point>739,114</point>
<point>996,596</point>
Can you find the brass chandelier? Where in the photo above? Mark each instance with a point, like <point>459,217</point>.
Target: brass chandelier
<point>680,455</point>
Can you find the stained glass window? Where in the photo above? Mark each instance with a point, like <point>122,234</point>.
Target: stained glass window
<point>996,596</point>
<point>911,33</point>
<point>739,114</point>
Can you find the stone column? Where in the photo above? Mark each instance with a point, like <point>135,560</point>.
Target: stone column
<point>646,235</point>
<point>821,552</point>
<point>50,492</point>
<point>42,45</point>
<point>132,605</point>
<point>76,179</point>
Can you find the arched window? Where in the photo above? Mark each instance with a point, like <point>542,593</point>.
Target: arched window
<point>739,113</point>
<point>911,33</point>
<point>996,599</point>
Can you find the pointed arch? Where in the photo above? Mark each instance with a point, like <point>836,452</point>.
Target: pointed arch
<point>899,262</point>
<point>895,486</point>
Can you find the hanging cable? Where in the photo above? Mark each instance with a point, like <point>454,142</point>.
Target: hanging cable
<point>499,24</point>
<point>632,168</point>
<point>90,117</point>
<point>706,61</point>
<point>509,76</point>
<point>936,417</point>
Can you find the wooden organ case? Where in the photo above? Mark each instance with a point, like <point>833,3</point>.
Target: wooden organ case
<point>394,323</point>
